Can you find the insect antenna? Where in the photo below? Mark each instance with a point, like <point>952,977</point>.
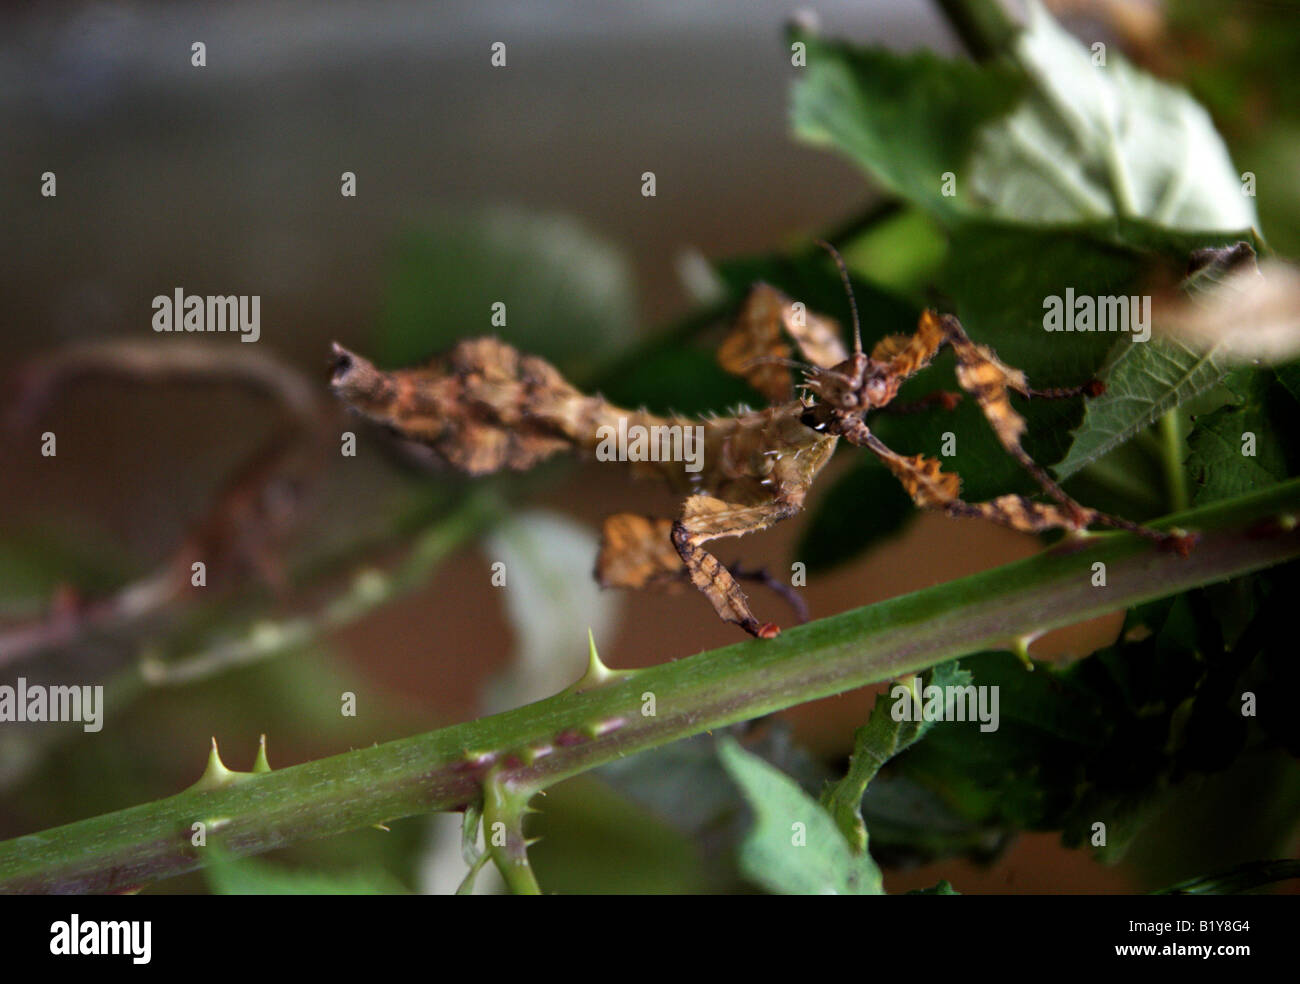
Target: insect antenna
<point>848,289</point>
<point>776,360</point>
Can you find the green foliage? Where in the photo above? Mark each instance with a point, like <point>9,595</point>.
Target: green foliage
<point>1243,445</point>
<point>1243,878</point>
<point>1095,139</point>
<point>905,118</point>
<point>1062,174</point>
<point>795,846</point>
<point>252,876</point>
<point>1100,741</point>
<point>874,744</point>
<point>943,888</point>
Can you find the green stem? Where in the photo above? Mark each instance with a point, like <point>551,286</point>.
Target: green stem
<point>1243,878</point>
<point>985,27</point>
<point>532,747</point>
<point>504,806</point>
<point>1171,458</point>
<point>1121,481</point>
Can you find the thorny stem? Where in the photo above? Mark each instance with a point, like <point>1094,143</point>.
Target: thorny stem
<point>504,807</point>
<point>533,747</point>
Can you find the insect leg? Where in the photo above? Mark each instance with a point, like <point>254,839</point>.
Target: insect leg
<point>932,488</point>
<point>990,382</point>
<point>706,518</point>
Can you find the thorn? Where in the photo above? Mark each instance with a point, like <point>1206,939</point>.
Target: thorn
<point>597,672</point>
<point>261,764</point>
<point>216,774</point>
<point>1020,646</point>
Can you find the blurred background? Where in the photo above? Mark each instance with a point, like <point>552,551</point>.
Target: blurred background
<point>474,183</point>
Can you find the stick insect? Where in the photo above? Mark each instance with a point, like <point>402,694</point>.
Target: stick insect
<point>483,406</point>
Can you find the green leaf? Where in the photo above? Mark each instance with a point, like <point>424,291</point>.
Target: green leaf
<point>251,876</point>
<point>911,824</point>
<point>1109,737</point>
<point>1088,176</point>
<point>906,119</point>
<point>1144,381</point>
<point>998,276</point>
<point>593,839</point>
<point>686,785</point>
<point>1044,136</point>
<point>865,505</point>
<point>794,847</point>
<point>1003,277</point>
<point>876,742</point>
<point>1096,141</point>
<point>474,856</point>
<point>1289,376</point>
<point>1236,448</point>
<point>903,254</point>
<point>943,888</point>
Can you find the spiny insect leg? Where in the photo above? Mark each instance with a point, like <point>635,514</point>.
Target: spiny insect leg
<point>706,518</point>
<point>932,488</point>
<point>637,553</point>
<point>985,377</point>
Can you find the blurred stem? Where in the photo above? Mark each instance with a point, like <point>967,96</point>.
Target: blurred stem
<point>985,27</point>
<point>368,590</point>
<point>603,718</point>
<point>1122,481</point>
<point>1171,457</point>
<point>1243,878</point>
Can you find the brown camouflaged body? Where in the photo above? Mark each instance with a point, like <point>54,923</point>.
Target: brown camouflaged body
<point>483,406</point>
